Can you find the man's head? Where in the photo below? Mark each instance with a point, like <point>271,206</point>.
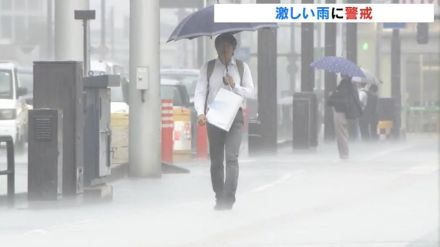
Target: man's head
<point>363,84</point>
<point>373,88</point>
<point>225,45</point>
<point>345,83</point>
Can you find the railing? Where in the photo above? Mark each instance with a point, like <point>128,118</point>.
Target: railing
<point>10,172</point>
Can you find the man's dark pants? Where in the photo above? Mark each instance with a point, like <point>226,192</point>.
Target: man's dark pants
<point>221,142</point>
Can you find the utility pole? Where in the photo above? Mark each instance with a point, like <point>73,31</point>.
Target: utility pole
<point>112,32</point>
<point>103,47</point>
<point>144,100</point>
<point>85,16</point>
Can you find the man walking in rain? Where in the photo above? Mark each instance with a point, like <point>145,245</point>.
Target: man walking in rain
<point>231,74</point>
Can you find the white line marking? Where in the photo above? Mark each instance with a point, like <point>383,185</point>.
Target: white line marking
<point>36,232</point>
<point>385,152</point>
<point>246,160</point>
<point>277,182</point>
<point>422,169</point>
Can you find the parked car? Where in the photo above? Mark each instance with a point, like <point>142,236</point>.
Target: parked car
<point>176,91</point>
<point>13,109</point>
<point>26,80</point>
<point>186,77</point>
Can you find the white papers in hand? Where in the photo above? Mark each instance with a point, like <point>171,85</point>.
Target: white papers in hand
<point>223,109</point>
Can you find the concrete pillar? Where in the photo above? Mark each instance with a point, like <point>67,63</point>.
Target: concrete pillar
<point>307,52</point>
<point>144,101</point>
<point>267,86</point>
<point>378,60</point>
<point>330,78</point>
<point>395,82</point>
<point>292,68</point>
<point>352,42</point>
<point>68,31</point>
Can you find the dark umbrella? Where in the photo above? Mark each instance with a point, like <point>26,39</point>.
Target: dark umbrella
<point>338,65</point>
<point>201,23</point>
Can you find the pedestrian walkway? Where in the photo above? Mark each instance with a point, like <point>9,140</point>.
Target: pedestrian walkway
<point>385,195</point>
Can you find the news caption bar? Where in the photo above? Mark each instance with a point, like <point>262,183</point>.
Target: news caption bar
<point>317,13</point>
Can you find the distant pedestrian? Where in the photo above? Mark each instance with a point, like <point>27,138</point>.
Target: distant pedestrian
<point>346,106</point>
<point>369,118</point>
<point>231,74</point>
<point>363,125</point>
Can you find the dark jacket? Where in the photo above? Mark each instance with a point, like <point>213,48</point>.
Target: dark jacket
<point>371,108</point>
<point>337,101</point>
<point>346,99</point>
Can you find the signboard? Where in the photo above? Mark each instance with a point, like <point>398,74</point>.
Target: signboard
<point>435,2</point>
<point>398,25</point>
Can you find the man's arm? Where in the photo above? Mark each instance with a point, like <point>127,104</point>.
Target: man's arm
<point>247,88</point>
<point>362,99</point>
<point>201,91</point>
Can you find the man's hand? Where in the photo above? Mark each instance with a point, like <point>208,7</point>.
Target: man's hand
<point>230,80</point>
<point>201,119</point>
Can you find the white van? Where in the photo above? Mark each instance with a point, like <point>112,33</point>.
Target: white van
<point>117,104</point>
<point>13,108</point>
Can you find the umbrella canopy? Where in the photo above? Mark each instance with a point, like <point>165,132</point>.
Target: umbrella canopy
<point>338,65</point>
<point>369,78</point>
<point>201,23</point>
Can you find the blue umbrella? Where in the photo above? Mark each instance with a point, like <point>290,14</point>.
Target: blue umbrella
<point>338,65</point>
<point>201,23</point>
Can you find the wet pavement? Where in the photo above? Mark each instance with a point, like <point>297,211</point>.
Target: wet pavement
<point>385,195</point>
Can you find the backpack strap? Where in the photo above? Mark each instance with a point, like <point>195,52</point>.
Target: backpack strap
<point>211,65</point>
<point>240,70</point>
<point>209,70</point>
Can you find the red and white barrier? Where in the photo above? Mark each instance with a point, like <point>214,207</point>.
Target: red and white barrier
<point>202,142</point>
<point>167,131</point>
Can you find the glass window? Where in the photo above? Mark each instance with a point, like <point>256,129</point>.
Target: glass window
<point>34,4</point>
<point>6,4</point>
<point>6,27</point>
<point>20,4</point>
<point>20,28</point>
<point>25,79</point>
<point>116,94</point>
<point>171,92</point>
<point>190,81</point>
<point>5,84</point>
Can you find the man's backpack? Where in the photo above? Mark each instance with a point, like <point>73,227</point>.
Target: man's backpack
<point>338,101</point>
<point>210,70</point>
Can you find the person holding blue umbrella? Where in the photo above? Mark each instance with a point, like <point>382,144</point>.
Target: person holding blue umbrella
<point>346,106</point>
<point>345,100</point>
<point>231,74</point>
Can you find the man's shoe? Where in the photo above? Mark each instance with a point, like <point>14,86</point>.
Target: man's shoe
<point>223,206</point>
<point>228,206</point>
<point>218,206</point>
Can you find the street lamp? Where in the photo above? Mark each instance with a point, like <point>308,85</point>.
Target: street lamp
<point>85,15</point>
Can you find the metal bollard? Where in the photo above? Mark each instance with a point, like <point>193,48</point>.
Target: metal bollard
<point>10,172</point>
